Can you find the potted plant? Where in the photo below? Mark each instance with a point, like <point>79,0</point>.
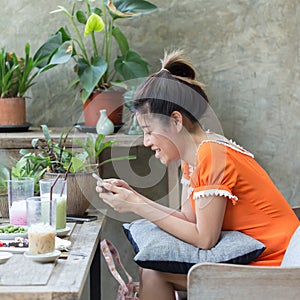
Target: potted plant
<point>98,62</point>
<point>53,158</point>
<point>17,75</point>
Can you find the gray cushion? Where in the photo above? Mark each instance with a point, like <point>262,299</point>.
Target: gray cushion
<point>158,250</point>
<point>292,255</point>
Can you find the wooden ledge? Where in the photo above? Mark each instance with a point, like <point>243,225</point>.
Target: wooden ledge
<point>18,140</point>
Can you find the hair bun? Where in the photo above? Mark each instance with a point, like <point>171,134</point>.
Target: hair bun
<point>177,65</point>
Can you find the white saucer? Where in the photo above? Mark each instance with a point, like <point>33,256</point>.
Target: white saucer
<point>4,257</point>
<point>47,257</point>
<point>63,231</point>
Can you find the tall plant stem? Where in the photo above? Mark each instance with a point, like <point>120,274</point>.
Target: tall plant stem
<point>79,41</point>
<point>107,41</point>
<point>88,7</point>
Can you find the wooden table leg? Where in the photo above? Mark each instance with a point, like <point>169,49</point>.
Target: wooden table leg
<point>95,279</point>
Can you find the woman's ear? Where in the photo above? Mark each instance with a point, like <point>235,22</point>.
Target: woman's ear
<point>177,118</point>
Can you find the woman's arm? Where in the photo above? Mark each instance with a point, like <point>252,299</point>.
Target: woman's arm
<point>185,212</point>
<point>203,234</point>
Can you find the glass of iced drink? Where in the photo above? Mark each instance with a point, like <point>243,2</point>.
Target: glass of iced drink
<point>59,193</point>
<point>41,218</point>
<point>18,191</point>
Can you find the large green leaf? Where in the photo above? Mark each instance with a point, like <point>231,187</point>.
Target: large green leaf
<point>131,66</point>
<point>48,48</point>
<point>129,8</point>
<point>121,40</point>
<point>90,75</point>
<point>63,54</point>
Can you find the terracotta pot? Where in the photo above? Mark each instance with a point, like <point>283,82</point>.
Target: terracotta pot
<point>12,111</point>
<point>81,192</point>
<point>112,101</point>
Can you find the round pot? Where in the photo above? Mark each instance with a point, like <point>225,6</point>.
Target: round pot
<point>112,101</point>
<point>81,190</point>
<point>12,111</point>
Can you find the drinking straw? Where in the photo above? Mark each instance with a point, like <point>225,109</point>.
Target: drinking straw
<point>51,192</point>
<point>65,179</point>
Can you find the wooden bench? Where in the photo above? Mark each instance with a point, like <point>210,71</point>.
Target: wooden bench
<point>228,281</point>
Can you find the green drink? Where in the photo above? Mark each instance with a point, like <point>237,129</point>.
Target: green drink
<point>61,209</point>
<point>61,212</point>
<point>59,193</point>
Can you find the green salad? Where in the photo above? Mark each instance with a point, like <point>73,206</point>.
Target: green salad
<point>13,229</point>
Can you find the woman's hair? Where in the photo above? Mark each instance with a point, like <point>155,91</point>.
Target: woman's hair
<point>173,88</point>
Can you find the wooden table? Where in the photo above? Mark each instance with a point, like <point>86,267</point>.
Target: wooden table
<point>71,277</point>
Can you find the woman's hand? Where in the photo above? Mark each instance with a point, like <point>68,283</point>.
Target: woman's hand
<point>117,182</point>
<point>118,194</point>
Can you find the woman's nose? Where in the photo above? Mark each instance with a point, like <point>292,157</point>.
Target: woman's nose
<point>147,141</point>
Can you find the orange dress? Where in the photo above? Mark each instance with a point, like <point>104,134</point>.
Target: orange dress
<point>255,206</point>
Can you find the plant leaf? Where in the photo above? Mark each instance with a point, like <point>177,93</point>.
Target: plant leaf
<point>90,75</point>
<point>129,8</point>
<point>63,54</point>
<point>129,157</point>
<point>46,132</point>
<point>81,18</point>
<point>121,40</point>
<point>131,66</point>
<point>136,6</point>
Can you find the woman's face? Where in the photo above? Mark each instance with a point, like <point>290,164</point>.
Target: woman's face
<point>161,136</point>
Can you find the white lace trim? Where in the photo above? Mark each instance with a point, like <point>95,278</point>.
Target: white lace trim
<point>232,144</point>
<point>216,192</point>
<point>184,181</point>
<point>187,183</point>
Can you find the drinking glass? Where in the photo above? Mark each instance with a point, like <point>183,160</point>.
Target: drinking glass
<point>59,193</point>
<point>18,191</point>
<point>41,220</point>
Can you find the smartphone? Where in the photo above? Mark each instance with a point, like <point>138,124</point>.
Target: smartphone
<point>101,181</point>
<point>98,177</point>
<point>81,219</point>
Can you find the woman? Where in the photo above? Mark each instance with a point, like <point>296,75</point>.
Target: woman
<point>224,188</point>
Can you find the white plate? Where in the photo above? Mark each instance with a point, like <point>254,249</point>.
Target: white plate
<point>47,257</point>
<point>13,249</point>
<point>63,232</point>
<point>12,236</point>
<point>4,257</point>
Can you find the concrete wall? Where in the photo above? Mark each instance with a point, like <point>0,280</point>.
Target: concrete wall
<point>246,52</point>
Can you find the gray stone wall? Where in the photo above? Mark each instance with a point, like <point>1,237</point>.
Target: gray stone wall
<point>246,52</point>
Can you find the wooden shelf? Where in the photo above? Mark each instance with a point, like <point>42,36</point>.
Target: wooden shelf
<point>22,140</point>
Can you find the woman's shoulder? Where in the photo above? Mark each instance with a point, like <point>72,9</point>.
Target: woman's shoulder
<point>216,143</point>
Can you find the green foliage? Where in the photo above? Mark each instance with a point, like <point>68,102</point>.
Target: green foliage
<point>29,165</point>
<point>17,74</point>
<point>96,68</point>
<point>55,157</point>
